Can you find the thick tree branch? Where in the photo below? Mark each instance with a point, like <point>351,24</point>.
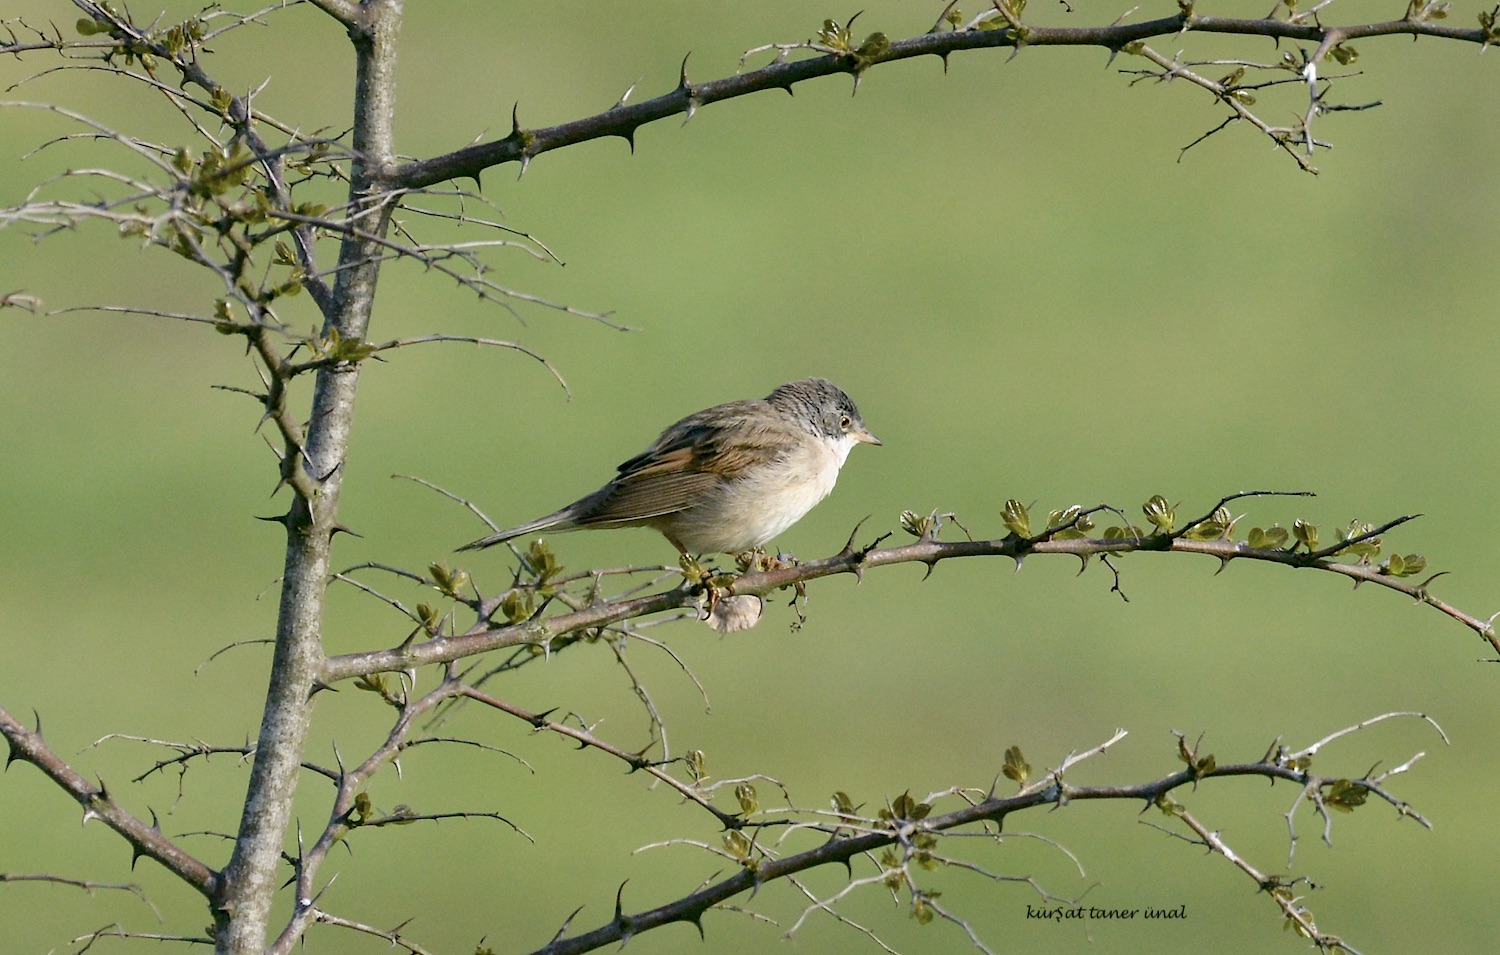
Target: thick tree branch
<point>851,839</point>
<point>623,120</point>
<point>344,11</point>
<point>27,745</point>
<point>927,550</point>
<point>242,906</point>
<point>346,812</point>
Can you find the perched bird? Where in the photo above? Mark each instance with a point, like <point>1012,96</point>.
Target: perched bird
<point>727,479</point>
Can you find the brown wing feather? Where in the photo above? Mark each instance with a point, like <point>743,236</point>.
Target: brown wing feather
<point>689,460</point>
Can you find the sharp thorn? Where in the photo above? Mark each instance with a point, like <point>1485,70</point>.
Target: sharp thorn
<point>626,95</point>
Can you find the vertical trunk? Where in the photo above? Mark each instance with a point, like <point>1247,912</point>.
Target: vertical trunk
<point>250,880</point>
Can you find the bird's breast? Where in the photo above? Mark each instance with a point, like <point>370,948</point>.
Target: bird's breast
<point>759,504</point>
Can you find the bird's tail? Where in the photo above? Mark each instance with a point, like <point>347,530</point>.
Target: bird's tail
<point>563,520</point>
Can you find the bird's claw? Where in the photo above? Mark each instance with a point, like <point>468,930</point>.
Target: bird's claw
<point>705,578</point>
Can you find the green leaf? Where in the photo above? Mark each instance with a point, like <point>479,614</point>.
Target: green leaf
<point>1216,527</point>
<point>362,810</point>
<point>1346,795</point>
<point>1123,533</point>
<point>834,36</point>
<point>516,606</point>
<point>1489,23</point>
<point>920,910</point>
<point>1198,766</point>
<point>745,793</point>
<point>904,807</point>
<point>1160,513</point>
<point>876,44</point>
<point>372,683</point>
<point>696,764</point>
<point>1017,519</point>
<point>447,580</point>
<point>1408,566</point>
<point>1015,766</point>
<point>915,525</point>
<point>843,805</point>
<point>1367,548</point>
<point>1066,515</point>
<point>336,348</point>
<point>541,562</point>
<point>1074,524</point>
<point>1306,534</point>
<point>1271,538</point>
<point>738,844</point>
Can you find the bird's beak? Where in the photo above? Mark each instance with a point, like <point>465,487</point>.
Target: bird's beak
<point>864,435</point>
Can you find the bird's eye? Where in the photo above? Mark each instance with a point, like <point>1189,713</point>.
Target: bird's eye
<point>846,422</point>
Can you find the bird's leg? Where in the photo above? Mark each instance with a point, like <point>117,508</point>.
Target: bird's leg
<point>698,576</point>
<point>752,560</point>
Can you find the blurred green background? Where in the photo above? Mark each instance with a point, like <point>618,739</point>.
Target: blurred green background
<point>1029,296</point>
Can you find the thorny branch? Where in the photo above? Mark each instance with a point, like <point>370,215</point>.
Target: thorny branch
<point>841,54</point>
<point>1210,537</point>
<point>352,809</point>
<point>84,884</point>
<point>912,829</point>
<point>27,745</point>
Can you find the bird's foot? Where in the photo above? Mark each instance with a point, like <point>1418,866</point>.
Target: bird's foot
<point>758,561</point>
<point>702,578</point>
<point>713,582</point>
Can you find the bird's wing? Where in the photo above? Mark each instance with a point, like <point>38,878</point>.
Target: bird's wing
<point>689,460</point>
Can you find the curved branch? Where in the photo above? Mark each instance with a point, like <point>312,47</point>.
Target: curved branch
<point>27,745</point>
<point>927,550</point>
<point>623,120</point>
<point>843,848</point>
<point>344,11</point>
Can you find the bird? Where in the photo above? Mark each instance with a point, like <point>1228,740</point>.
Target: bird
<point>727,479</point>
